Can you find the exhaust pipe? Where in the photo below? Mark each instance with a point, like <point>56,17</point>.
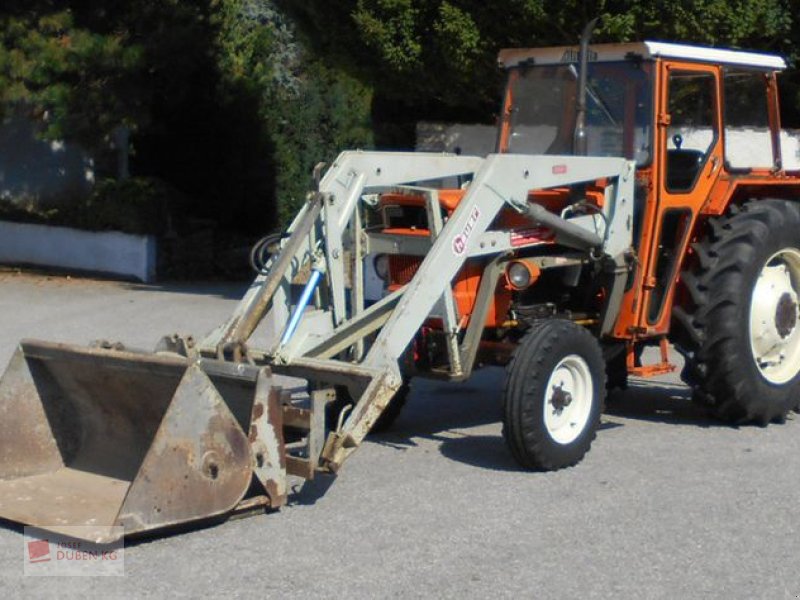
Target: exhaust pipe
<point>579,146</point>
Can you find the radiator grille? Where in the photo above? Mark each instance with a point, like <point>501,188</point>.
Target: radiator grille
<point>402,268</point>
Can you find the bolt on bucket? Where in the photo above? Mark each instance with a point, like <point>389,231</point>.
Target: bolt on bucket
<point>104,438</point>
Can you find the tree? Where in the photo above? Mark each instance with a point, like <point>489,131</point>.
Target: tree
<point>309,110</point>
<point>437,57</point>
<point>222,100</point>
<point>76,83</point>
<point>232,102</point>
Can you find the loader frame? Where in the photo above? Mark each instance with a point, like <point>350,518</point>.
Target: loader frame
<point>362,347</point>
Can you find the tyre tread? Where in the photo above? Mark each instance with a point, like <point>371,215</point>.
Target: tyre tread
<point>706,329</point>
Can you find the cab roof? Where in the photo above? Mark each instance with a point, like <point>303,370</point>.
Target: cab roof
<point>646,50</point>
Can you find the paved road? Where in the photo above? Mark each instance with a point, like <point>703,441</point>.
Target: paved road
<point>666,505</point>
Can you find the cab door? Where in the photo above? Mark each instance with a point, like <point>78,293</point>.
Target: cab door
<point>689,160</point>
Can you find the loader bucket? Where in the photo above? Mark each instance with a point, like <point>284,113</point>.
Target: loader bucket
<point>102,438</point>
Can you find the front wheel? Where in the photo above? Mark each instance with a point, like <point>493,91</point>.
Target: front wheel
<point>553,395</point>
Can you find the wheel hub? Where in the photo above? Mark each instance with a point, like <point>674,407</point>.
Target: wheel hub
<point>569,401</point>
<point>786,315</point>
<point>560,398</point>
<point>774,334</point>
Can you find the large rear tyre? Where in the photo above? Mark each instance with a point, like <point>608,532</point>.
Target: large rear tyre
<point>553,395</point>
<point>739,329</point>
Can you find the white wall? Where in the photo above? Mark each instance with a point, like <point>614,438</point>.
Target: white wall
<point>476,140</point>
<point>480,140</point>
<point>112,252</point>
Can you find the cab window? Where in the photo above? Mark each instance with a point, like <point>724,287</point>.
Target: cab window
<point>748,143</point>
<point>692,131</point>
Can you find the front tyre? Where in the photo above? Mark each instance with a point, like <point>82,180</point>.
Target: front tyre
<point>553,395</point>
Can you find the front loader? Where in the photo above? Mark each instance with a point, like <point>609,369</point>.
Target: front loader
<point>611,217</point>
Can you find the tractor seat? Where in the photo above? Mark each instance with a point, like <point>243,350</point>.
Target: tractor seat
<point>683,166</point>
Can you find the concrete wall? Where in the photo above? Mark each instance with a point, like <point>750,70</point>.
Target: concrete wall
<point>746,145</point>
<point>114,253</point>
<point>476,140</point>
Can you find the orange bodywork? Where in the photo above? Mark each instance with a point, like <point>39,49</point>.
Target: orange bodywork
<point>465,286</point>
<point>715,190</point>
<point>466,283</point>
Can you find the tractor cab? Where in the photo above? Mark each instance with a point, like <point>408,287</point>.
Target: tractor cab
<point>666,106</point>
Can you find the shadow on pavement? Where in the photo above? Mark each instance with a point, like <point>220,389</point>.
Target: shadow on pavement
<point>441,411</point>
<point>130,541</point>
<point>221,289</point>
<point>485,451</point>
<point>308,492</point>
<point>229,290</point>
<point>12,526</point>
<point>659,402</point>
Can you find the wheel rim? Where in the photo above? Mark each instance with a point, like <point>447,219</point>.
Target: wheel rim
<point>569,397</point>
<point>774,328</point>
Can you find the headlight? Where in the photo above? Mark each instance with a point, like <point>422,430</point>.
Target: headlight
<point>381,264</point>
<point>521,274</point>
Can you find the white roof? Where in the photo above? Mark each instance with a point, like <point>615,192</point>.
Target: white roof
<point>647,50</point>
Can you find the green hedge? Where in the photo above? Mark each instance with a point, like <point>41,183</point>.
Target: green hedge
<point>139,205</point>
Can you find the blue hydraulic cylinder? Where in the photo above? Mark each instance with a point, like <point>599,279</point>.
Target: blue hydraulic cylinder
<point>305,297</point>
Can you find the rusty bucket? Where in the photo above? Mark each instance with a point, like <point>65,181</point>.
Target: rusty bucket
<point>103,438</point>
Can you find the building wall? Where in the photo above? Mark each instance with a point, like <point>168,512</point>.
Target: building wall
<point>40,172</point>
<point>480,140</point>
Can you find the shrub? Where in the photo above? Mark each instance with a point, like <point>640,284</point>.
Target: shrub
<point>142,205</point>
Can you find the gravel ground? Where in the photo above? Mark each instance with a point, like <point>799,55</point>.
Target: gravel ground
<point>666,505</point>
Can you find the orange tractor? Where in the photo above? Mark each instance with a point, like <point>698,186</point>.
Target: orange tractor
<point>714,260</point>
<point>638,196</point>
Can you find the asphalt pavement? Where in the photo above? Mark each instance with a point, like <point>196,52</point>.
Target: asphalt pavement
<point>667,504</point>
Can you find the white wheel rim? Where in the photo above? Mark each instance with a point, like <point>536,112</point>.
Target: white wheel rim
<point>568,399</point>
<point>774,330</point>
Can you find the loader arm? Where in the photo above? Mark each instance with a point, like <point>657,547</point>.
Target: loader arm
<point>503,180</point>
<point>132,441</point>
<point>337,197</point>
<point>324,232</point>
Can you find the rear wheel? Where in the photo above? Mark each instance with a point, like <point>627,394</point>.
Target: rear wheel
<point>739,330</point>
<point>553,396</point>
